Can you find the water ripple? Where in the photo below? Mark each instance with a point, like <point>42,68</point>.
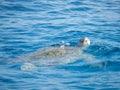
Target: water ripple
<point>29,25</point>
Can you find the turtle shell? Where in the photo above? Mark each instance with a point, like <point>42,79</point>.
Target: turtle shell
<point>53,56</point>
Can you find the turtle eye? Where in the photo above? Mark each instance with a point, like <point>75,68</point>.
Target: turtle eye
<point>85,40</point>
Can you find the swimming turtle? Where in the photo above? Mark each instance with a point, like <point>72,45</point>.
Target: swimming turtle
<point>57,55</point>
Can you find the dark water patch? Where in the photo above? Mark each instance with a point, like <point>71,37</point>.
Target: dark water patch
<point>113,66</point>
<point>91,24</point>
<point>101,49</point>
<point>113,51</point>
<point>112,88</point>
<point>16,8</point>
<point>111,25</point>
<point>7,79</point>
<point>13,41</point>
<point>81,9</point>
<point>55,27</point>
<point>3,17</point>
<point>54,12</point>
<point>84,68</point>
<point>78,3</point>
<point>85,87</point>
<point>104,66</point>
<point>18,1</point>
<point>75,33</point>
<point>28,76</point>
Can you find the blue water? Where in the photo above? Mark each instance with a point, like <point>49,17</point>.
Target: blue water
<point>29,25</point>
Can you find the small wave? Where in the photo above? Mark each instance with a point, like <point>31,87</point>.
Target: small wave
<point>16,8</point>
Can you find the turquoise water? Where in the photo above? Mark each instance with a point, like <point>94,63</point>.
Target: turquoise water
<point>29,25</point>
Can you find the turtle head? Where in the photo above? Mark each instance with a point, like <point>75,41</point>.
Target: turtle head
<point>84,42</point>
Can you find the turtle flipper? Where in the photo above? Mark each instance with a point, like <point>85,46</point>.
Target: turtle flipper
<point>28,67</point>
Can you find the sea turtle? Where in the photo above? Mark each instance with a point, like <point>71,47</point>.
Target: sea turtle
<point>57,55</point>
<point>62,50</point>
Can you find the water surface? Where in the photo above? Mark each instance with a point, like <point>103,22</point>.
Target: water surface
<point>29,25</point>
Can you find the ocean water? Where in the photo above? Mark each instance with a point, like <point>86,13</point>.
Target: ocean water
<point>29,25</point>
